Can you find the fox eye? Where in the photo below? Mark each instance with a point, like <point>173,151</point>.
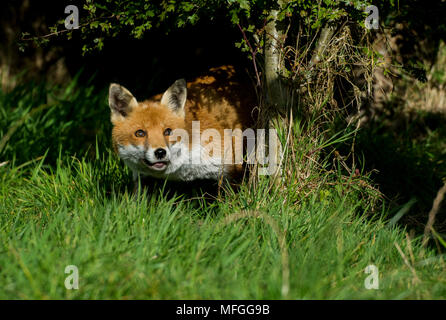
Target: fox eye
<point>140,133</point>
<point>168,132</point>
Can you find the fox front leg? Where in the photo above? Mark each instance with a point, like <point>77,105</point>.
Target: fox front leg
<point>137,186</point>
<point>142,184</point>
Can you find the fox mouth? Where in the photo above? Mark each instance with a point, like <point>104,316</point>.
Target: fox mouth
<point>159,165</point>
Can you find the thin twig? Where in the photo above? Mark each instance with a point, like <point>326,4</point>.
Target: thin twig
<point>253,54</point>
<point>435,207</point>
<point>56,33</point>
<point>406,261</point>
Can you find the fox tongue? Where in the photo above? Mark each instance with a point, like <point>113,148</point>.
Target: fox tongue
<point>159,164</point>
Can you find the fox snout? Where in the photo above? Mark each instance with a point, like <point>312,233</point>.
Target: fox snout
<point>157,158</point>
<point>145,158</point>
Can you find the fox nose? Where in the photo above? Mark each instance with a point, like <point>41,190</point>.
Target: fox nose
<point>160,153</point>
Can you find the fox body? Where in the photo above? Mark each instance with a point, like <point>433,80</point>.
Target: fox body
<point>145,133</point>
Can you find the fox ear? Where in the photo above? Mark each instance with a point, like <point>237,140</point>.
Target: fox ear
<point>175,97</point>
<point>120,100</point>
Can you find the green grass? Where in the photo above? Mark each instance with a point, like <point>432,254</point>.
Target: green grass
<point>65,200</point>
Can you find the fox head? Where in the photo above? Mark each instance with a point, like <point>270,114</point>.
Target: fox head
<point>142,130</point>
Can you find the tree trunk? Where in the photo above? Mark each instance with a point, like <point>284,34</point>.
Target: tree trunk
<point>274,92</point>
<point>274,96</point>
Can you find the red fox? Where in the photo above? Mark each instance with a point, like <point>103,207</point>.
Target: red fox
<point>156,137</point>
